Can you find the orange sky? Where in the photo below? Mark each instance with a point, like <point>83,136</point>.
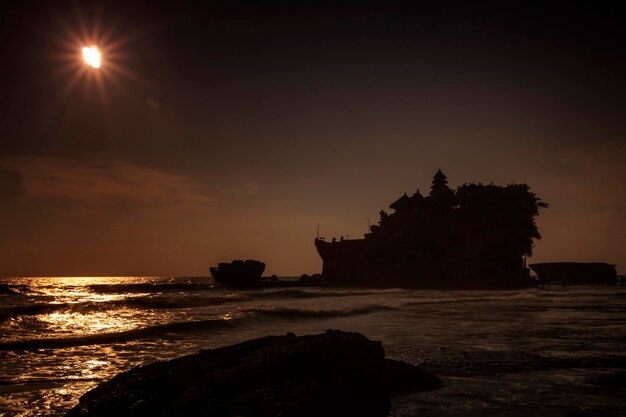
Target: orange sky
<point>232,132</point>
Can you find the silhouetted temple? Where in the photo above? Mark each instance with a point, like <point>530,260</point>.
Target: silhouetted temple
<point>476,236</point>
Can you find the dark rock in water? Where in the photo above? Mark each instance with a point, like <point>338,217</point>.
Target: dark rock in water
<point>311,279</point>
<point>403,378</point>
<point>5,289</point>
<point>591,412</point>
<point>330,374</point>
<point>615,380</point>
<point>568,273</point>
<point>239,273</point>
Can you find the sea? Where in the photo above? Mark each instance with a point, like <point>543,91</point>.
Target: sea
<point>534,352</point>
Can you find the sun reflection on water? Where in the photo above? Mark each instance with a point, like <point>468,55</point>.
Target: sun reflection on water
<point>75,307</point>
<point>78,324</point>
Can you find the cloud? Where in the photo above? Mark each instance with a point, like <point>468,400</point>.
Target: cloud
<point>18,213</point>
<point>100,216</point>
<point>10,186</point>
<point>101,182</point>
<point>153,104</point>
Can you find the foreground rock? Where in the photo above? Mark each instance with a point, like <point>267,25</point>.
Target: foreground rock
<point>330,374</point>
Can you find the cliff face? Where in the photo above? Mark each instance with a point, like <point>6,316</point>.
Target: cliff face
<point>473,237</point>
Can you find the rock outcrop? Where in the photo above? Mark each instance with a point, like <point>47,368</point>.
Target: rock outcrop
<point>330,374</point>
<point>5,289</point>
<point>613,380</point>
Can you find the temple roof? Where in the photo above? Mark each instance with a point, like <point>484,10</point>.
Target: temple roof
<point>399,203</point>
<point>440,182</point>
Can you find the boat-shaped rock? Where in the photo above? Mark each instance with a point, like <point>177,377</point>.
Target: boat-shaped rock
<point>239,273</point>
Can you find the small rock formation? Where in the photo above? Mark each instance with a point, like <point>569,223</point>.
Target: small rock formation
<point>6,290</point>
<point>568,273</point>
<point>330,374</point>
<point>403,378</point>
<point>613,380</point>
<point>311,280</point>
<point>239,273</point>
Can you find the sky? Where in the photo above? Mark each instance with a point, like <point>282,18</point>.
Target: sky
<point>230,130</point>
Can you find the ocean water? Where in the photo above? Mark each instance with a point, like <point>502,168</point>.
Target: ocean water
<point>500,353</point>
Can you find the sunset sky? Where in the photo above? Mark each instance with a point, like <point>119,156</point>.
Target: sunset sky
<point>230,132</point>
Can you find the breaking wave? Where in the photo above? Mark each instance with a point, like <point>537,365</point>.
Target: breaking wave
<point>148,288</point>
<point>294,312</point>
<point>149,302</point>
<point>294,293</point>
<point>30,310</point>
<point>119,337</point>
<point>164,302</point>
<point>163,330</point>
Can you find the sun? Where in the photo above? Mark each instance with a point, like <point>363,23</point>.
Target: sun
<point>90,52</point>
<point>92,56</point>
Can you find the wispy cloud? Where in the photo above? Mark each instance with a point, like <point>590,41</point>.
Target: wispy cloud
<point>105,182</point>
<point>10,185</point>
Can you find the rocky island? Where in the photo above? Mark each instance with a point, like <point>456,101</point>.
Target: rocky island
<point>476,236</point>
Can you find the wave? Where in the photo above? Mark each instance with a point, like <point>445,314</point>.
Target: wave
<point>186,287</point>
<point>461,300</point>
<point>31,310</point>
<point>118,337</point>
<point>178,302</point>
<point>176,328</point>
<point>148,288</point>
<point>587,307</point>
<point>294,293</point>
<point>163,302</point>
<point>297,313</point>
<point>479,363</point>
<point>150,302</point>
<point>23,381</point>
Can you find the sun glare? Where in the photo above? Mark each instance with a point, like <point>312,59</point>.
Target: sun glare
<point>92,56</point>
